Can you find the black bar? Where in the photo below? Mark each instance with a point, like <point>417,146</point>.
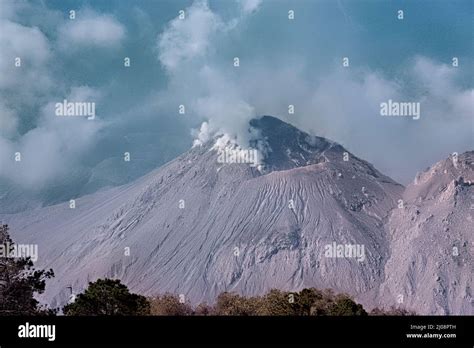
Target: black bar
<point>222,331</point>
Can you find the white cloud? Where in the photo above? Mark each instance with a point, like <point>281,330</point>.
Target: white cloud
<point>437,78</point>
<point>32,47</point>
<point>189,38</point>
<point>21,87</point>
<point>54,147</point>
<point>91,29</point>
<point>50,146</point>
<point>185,40</point>
<point>8,120</point>
<point>444,99</point>
<point>463,106</point>
<point>9,9</point>
<point>250,6</point>
<point>6,157</point>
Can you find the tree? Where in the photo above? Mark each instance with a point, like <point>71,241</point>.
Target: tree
<point>277,302</point>
<point>108,297</point>
<point>19,281</point>
<point>305,299</point>
<point>203,309</point>
<point>338,305</point>
<point>169,304</point>
<point>229,303</point>
<point>322,304</point>
<point>344,305</point>
<point>393,311</point>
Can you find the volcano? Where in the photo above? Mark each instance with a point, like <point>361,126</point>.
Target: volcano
<point>199,227</point>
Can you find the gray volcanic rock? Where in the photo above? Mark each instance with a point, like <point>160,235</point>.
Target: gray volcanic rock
<point>240,229</point>
<point>432,238</point>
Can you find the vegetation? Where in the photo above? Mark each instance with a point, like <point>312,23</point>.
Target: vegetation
<point>394,311</point>
<point>169,304</point>
<point>276,302</point>
<point>108,297</point>
<point>19,281</point>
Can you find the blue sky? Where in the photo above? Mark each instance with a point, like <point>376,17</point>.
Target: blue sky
<point>190,62</point>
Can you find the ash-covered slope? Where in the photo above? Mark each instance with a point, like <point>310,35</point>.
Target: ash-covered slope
<point>198,227</point>
<point>432,238</point>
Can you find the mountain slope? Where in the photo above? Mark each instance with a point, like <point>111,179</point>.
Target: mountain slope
<point>432,237</point>
<point>240,229</point>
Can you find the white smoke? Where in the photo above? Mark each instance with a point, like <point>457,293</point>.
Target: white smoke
<point>340,104</point>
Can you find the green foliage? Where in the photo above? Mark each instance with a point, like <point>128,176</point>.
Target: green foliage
<point>108,297</point>
<point>20,281</point>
